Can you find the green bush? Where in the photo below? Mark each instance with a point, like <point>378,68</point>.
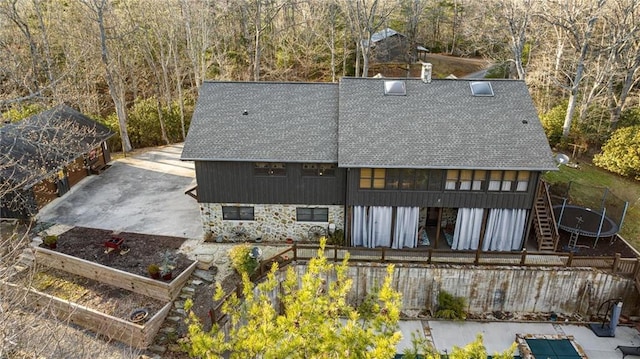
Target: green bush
<point>451,307</point>
<point>553,121</point>
<point>18,113</point>
<point>241,261</point>
<point>337,238</point>
<point>621,153</point>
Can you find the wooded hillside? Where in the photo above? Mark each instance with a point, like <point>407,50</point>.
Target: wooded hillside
<point>140,62</point>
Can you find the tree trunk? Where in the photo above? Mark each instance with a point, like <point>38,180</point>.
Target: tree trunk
<point>115,90</point>
<point>573,97</point>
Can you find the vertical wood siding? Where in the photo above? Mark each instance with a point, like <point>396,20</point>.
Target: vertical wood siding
<point>235,182</point>
<point>441,198</point>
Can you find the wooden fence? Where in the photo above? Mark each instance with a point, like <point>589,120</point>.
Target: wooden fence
<point>136,335</point>
<point>164,291</point>
<point>615,264</point>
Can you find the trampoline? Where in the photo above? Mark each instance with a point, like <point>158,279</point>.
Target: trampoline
<point>584,221</point>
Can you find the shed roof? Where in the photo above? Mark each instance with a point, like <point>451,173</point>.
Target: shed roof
<point>40,145</point>
<point>440,125</point>
<point>264,121</point>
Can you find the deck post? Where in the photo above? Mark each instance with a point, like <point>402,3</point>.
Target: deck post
<point>616,262</point>
<point>477,259</point>
<point>295,251</point>
<point>569,259</point>
<point>523,257</point>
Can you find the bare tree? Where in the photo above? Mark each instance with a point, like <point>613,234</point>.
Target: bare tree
<point>364,19</point>
<point>625,49</point>
<point>98,9</point>
<point>578,21</point>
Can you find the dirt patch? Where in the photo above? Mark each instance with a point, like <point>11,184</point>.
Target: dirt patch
<point>106,299</point>
<point>606,246</point>
<point>134,255</point>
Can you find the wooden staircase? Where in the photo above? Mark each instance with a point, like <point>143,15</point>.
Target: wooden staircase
<point>544,221</point>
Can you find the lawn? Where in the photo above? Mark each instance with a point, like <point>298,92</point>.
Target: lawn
<point>624,188</point>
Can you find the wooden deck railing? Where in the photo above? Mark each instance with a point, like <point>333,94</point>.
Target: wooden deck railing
<point>614,264</point>
<point>302,252</point>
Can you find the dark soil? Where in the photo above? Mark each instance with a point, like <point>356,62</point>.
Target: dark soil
<point>143,249</point>
<point>605,247</point>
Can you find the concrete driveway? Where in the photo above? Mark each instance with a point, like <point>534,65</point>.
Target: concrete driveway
<point>143,194</point>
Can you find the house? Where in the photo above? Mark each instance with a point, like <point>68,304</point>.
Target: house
<point>392,162</point>
<point>45,155</point>
<point>388,45</point>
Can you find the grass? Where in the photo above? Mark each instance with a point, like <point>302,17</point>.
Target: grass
<point>623,188</point>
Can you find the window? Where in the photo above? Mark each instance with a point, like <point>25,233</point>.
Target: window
<point>395,88</point>
<point>270,169</point>
<point>398,179</point>
<point>523,181</point>
<point>372,178</point>
<point>465,180</point>
<point>235,213</point>
<point>478,180</point>
<point>312,214</point>
<point>508,181</point>
<point>452,180</point>
<point>481,88</point>
<point>495,180</point>
<point>319,169</point>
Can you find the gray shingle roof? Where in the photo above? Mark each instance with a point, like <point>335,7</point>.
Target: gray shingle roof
<point>40,145</point>
<point>440,125</point>
<point>285,122</point>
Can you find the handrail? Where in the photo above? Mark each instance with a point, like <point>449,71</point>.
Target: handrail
<point>430,256</point>
<point>547,203</point>
<point>444,256</point>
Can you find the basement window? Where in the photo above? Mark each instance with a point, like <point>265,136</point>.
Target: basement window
<point>481,88</point>
<point>395,88</point>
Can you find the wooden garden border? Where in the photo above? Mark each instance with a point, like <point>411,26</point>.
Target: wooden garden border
<point>135,335</point>
<point>164,291</point>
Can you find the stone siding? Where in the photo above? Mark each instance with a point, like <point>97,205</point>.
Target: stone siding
<point>272,222</point>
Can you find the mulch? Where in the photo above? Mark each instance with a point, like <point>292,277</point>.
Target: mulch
<point>605,246</point>
<point>135,254</point>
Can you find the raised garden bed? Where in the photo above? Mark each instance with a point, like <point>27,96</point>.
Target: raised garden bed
<point>104,309</point>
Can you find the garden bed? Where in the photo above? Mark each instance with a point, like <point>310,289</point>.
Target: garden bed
<point>104,309</point>
<point>141,250</point>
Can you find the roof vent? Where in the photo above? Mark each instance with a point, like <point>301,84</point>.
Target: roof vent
<point>395,88</point>
<point>481,88</point>
<point>425,75</point>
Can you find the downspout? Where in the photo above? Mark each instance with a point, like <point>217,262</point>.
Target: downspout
<point>347,210</point>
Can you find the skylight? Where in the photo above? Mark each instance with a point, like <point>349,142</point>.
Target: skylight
<point>395,88</point>
<point>481,88</point>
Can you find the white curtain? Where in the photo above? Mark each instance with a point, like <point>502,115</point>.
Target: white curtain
<point>359,232</point>
<point>505,230</point>
<point>406,229</point>
<point>468,227</point>
<point>379,226</point>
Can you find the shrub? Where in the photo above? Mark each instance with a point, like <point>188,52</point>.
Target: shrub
<point>153,269</point>
<point>337,237</point>
<point>451,307</point>
<point>241,260</point>
<point>553,121</point>
<point>621,153</point>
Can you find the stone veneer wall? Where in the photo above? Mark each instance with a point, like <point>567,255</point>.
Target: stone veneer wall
<point>272,222</point>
